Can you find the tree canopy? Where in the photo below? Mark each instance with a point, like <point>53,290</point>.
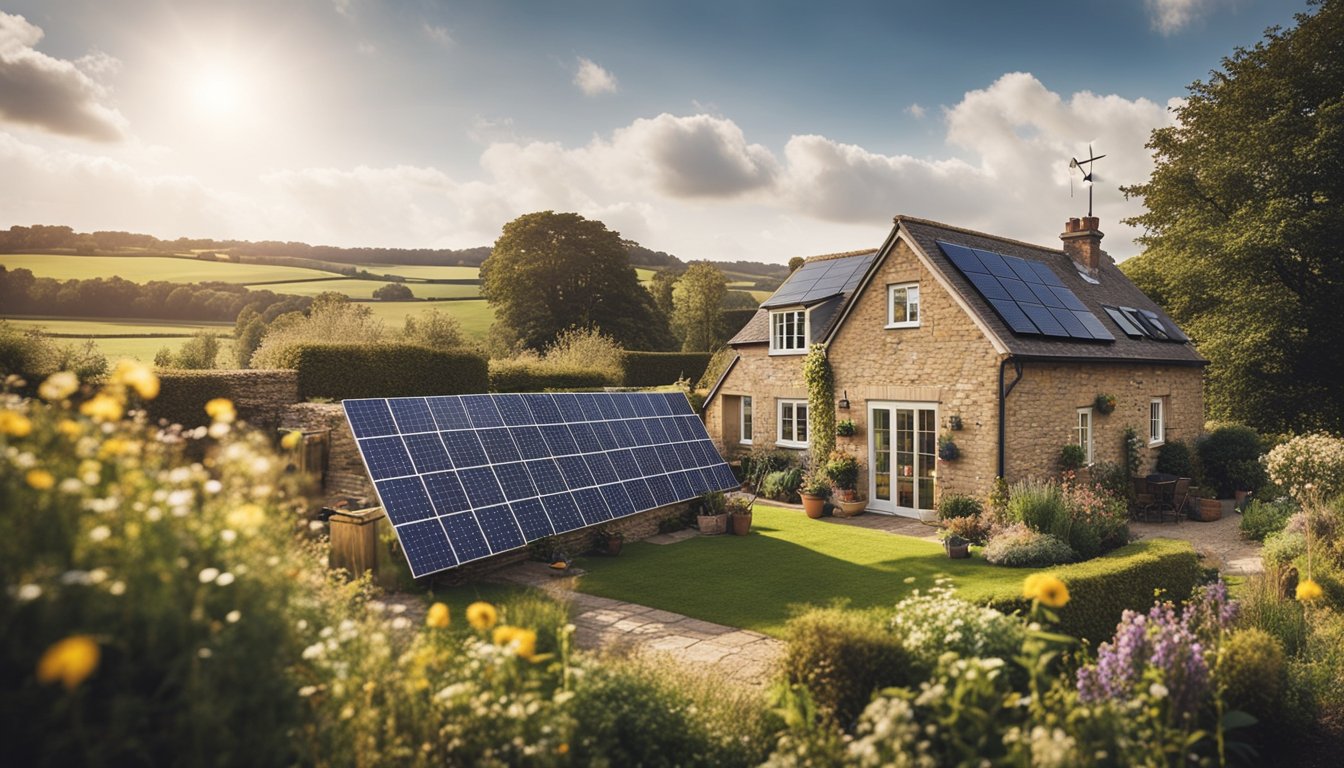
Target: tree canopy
<point>697,305</point>
<point>1245,226</point>
<point>552,271</point>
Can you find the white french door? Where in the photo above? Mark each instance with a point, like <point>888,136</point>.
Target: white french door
<point>903,455</point>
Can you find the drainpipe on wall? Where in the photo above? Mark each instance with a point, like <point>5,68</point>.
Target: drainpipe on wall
<point>1003,403</point>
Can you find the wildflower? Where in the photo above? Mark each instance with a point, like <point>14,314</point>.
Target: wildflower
<point>100,533</point>
<point>29,592</point>
<point>70,428</point>
<point>59,386</point>
<point>14,424</point>
<point>208,575</point>
<point>137,376</point>
<point>523,641</point>
<point>40,479</point>
<point>246,518</point>
<point>482,615</point>
<point>291,440</point>
<point>1047,589</point>
<point>437,616</point>
<point>221,409</point>
<point>401,622</point>
<point>233,616</point>
<point>1308,590</point>
<point>1157,691</point>
<point>224,579</point>
<point>307,690</point>
<point>70,661</point>
<point>102,407</point>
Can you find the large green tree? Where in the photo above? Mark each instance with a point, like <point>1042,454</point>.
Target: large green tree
<point>1245,226</point>
<point>552,271</point>
<point>697,305</point>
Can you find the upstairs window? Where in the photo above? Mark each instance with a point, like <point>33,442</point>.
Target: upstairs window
<point>903,305</point>
<point>792,424</point>
<point>788,332</point>
<point>746,420</point>
<point>1157,421</point>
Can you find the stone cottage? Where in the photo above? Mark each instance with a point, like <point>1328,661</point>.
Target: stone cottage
<point>1009,350</point>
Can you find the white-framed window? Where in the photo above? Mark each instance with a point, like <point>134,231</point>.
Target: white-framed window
<point>745,432</point>
<point>792,421</point>
<point>1083,433</point>
<point>1157,421</point>
<point>788,332</point>
<point>903,305</point>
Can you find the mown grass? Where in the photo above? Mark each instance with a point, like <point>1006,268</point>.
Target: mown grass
<point>144,269</point>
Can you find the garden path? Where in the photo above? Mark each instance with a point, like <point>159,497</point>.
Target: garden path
<point>1219,541</point>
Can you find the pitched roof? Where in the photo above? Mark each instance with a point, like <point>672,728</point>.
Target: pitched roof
<point>824,283</point>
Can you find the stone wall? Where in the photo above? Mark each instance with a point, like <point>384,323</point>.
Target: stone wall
<point>346,476</point>
<point>259,396</point>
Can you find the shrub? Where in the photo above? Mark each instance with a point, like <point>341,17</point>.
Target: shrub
<point>932,623</point>
<point>343,371</point>
<point>820,381</point>
<point>331,316</point>
<point>526,376</point>
<point>1224,454</point>
<point>589,349</point>
<point>197,354</point>
<point>1264,607</point>
<point>1252,668</point>
<point>1316,460</point>
<point>762,461</point>
<point>718,363</point>
<point>1018,546</point>
<point>1038,504</point>
<point>1176,458</point>
<point>1113,478</point>
<point>973,528</point>
<point>434,329</point>
<point>953,505</point>
<point>1098,521</point>
<point>658,369</point>
<point>1261,518</point>
<point>843,656</point>
<point>393,292</point>
<point>1283,547</point>
<point>782,485</point>
<point>1071,458</point>
<point>33,354</point>
<point>843,470</point>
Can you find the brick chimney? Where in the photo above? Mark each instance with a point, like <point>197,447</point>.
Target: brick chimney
<point>1082,242</point>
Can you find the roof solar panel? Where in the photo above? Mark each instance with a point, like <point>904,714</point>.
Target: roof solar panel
<point>819,280</point>
<point>1126,325</point>
<point>1043,319</point>
<point>1071,324</point>
<point>465,477</point>
<point>988,285</point>
<point>1013,315</point>
<point>1022,269</point>
<point>1094,326</point>
<point>1046,274</point>
<point>964,258</point>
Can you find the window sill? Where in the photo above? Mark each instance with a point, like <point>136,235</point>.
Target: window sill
<point>780,352</point>
<point>790,444</point>
<point>744,442</point>
<point>890,326</point>
<point>1157,443</point>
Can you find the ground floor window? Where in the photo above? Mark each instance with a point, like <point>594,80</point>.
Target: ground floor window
<point>746,420</point>
<point>1157,421</point>
<point>792,420</point>
<point>1083,433</point>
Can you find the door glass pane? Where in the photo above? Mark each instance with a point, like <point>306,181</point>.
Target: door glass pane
<point>928,444</point>
<point>905,458</point>
<point>882,454</point>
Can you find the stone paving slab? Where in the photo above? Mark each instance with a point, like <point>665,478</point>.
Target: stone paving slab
<point>1219,541</point>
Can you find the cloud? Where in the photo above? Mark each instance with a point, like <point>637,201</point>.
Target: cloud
<point>592,79</point>
<point>439,35</point>
<point>696,156</point>
<point>1171,16</point>
<point>53,94</point>
<point>916,111</point>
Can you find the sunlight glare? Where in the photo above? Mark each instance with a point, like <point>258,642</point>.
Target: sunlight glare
<point>217,92</point>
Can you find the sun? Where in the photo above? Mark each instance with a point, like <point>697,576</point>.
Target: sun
<point>217,92</point>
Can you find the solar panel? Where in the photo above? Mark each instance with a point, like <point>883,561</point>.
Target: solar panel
<point>1026,294</point>
<point>468,476</point>
<point>821,279</point>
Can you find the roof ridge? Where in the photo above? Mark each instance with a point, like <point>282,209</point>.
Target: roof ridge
<point>839,255</point>
<point>900,218</point>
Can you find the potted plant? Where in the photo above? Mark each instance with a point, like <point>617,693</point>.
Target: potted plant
<point>1072,458</point>
<point>1105,403</point>
<point>957,547</point>
<point>1205,505</point>
<point>947,448</point>
<point>843,470</point>
<point>816,488</point>
<point>610,540</point>
<point>844,428</point>
<point>739,512</point>
<point>712,518</point>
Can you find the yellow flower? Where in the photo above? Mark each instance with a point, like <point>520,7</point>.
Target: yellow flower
<point>247,518</point>
<point>40,479</point>
<point>482,615</point>
<point>14,424</point>
<point>70,661</point>
<point>59,386</point>
<point>1308,590</point>
<point>524,641</point>
<point>102,407</point>
<point>1047,589</point>
<point>137,376</point>
<point>221,409</point>
<point>113,446</point>
<point>437,616</point>
<point>291,440</point>
<point>70,428</point>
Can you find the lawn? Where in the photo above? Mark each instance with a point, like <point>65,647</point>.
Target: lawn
<point>756,581</point>
<point>143,269</point>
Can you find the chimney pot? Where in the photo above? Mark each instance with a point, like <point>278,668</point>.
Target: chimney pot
<point>1091,222</point>
<point>1082,243</point>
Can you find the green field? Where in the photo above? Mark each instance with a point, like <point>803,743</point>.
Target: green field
<point>93,326</point>
<point>363,289</point>
<point>143,269</point>
<point>475,316</point>
<point>422,271</point>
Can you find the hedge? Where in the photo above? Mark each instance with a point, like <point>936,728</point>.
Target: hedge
<point>522,376</point>
<point>342,371</point>
<point>1101,589</point>
<point>657,369</point>
<point>258,395</point>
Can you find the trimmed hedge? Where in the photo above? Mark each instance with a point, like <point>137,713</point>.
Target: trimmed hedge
<point>657,369</point>
<point>258,395</point>
<point>520,376</point>
<point>342,371</point>
<point>1102,588</point>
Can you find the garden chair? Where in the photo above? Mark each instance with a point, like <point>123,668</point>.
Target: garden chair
<point>1143,498</point>
<point>1180,495</point>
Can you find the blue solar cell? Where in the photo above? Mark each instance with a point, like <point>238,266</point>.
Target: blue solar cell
<point>575,472</point>
<point>560,440</point>
<point>695,427</point>
<point>673,426</point>
<point>995,263</point>
<point>640,495</point>
<point>482,411</point>
<point>370,418</point>
<point>515,481</point>
<point>481,486</point>
<point>657,434</point>
<point>706,452</point>
<point>546,476</point>
<point>643,405</point>
<point>446,493</point>
<point>386,457</point>
<point>530,443</point>
<point>404,500</point>
<point>513,410</point>
<point>663,494</point>
<point>1094,326</point>
<point>686,456</point>
<point>564,513</point>
<point>543,409</point>
<point>1043,319</point>
<point>466,537</point>
<point>1046,295</point>
<point>449,413</point>
<point>498,445</point>
<point>661,406</point>
<point>1018,290</point>
<point>988,285</point>
<point>618,501</point>
<point>625,464</point>
<point>464,448</point>
<point>588,404</point>
<point>569,407</point>
<point>626,407</point>
<point>964,258</point>
<point>681,486</point>
<point>602,431</point>
<point>699,483</point>
<point>601,467</point>
<point>622,434</point>
<point>500,528</point>
<point>585,438</point>
<point>1071,323</point>
<point>1128,326</point>
<point>426,547</point>
<point>670,458</point>
<point>1045,274</point>
<point>531,517</point>
<point>607,405</point>
<point>427,452</point>
<point>1070,300</point>
<point>1013,315</point>
<point>678,403</point>
<point>592,506</point>
<point>647,459</point>
<point>412,414</point>
<point>639,432</point>
<point>1022,269</point>
<point>725,477</point>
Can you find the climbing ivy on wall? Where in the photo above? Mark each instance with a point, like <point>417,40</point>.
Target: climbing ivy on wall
<point>820,403</point>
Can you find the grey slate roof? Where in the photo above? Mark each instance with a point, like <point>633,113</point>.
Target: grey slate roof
<point>1114,289</point>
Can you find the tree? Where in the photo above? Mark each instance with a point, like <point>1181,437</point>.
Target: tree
<point>697,302</point>
<point>433,329</point>
<point>551,271</point>
<point>1244,221</point>
<point>393,292</point>
<point>664,280</point>
<point>795,263</point>
<point>247,332</point>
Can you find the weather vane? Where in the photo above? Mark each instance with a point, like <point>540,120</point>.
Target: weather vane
<point>1076,164</point>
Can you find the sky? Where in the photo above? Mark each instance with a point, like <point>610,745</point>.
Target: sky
<point>711,130</point>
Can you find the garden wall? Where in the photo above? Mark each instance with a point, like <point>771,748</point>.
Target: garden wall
<point>346,476</point>
<point>259,396</point>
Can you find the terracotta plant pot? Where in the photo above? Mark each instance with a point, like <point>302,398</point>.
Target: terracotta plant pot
<point>814,506</point>
<point>957,551</point>
<point>844,494</point>
<point>614,544</point>
<point>1207,510</point>
<point>741,524</point>
<point>850,508</point>
<point>712,525</point>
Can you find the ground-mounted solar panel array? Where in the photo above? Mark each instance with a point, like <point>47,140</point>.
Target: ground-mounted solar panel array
<point>1027,295</point>
<point>468,476</point>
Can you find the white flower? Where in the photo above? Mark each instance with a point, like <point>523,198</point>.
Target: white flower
<point>208,575</point>
<point>71,485</point>
<point>225,579</point>
<point>228,536</point>
<point>1157,691</point>
<point>401,622</point>
<point>213,486</point>
<point>29,592</point>
<point>117,588</point>
<point>100,533</point>
<point>97,575</point>
<point>301,624</point>
<point>314,651</point>
<point>307,690</point>
<point>75,577</point>
<point>397,608</point>
<point>180,498</point>
<point>205,653</point>
<point>233,616</point>
<point>315,525</point>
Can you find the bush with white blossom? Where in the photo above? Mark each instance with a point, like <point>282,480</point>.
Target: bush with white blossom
<point>1308,465</point>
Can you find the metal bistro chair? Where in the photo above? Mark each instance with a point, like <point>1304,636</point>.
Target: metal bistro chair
<point>1180,497</point>
<point>1143,498</point>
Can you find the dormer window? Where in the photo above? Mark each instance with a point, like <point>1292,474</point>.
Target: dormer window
<point>903,305</point>
<point>788,332</point>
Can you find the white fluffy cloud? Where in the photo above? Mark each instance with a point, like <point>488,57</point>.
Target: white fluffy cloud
<point>1171,16</point>
<point>592,79</point>
<point>53,94</point>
